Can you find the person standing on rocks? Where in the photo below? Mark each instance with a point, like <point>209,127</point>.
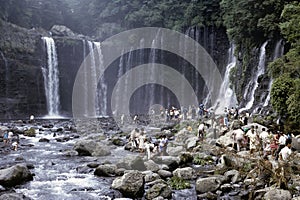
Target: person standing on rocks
<point>264,136</point>
<point>201,131</point>
<point>282,143</point>
<point>10,136</point>
<point>133,137</point>
<point>253,139</point>
<point>239,138</point>
<point>163,144</point>
<point>5,137</point>
<point>141,139</point>
<point>285,152</point>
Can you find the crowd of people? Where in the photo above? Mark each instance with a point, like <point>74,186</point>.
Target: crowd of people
<point>278,144</point>
<point>145,144</point>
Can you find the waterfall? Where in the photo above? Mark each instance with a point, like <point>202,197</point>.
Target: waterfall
<point>85,80</point>
<point>120,73</point>
<point>227,97</point>
<point>102,92</point>
<point>278,52</point>
<point>51,79</point>
<point>254,79</point>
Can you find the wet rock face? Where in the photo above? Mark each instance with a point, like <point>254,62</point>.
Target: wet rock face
<point>15,175</point>
<point>21,78</point>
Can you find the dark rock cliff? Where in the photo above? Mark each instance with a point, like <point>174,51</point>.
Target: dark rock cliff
<point>21,79</point>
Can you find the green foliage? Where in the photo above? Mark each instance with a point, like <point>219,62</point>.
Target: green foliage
<point>200,160</point>
<point>290,28</point>
<point>285,95</point>
<point>251,22</point>
<point>178,183</point>
<point>281,90</point>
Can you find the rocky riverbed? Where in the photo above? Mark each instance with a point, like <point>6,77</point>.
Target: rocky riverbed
<point>67,159</point>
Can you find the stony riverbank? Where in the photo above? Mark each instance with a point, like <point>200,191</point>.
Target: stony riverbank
<point>94,151</point>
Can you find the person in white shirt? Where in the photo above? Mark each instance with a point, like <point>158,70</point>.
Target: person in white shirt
<point>141,139</point>
<point>282,142</point>
<point>239,138</point>
<point>265,138</point>
<point>286,151</point>
<point>254,139</point>
<point>133,138</point>
<point>201,131</point>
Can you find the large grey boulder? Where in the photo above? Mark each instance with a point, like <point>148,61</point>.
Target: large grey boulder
<point>175,151</point>
<point>150,176</point>
<point>60,30</point>
<point>171,161</point>
<point>209,184</point>
<point>191,142</point>
<point>159,189</point>
<point>15,175</point>
<point>278,194</point>
<point>233,175</point>
<point>131,184</point>
<point>132,163</point>
<point>91,148</point>
<point>182,136</point>
<point>186,173</point>
<point>152,166</point>
<point>106,170</point>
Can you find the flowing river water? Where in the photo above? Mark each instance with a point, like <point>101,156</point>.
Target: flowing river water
<point>57,175</point>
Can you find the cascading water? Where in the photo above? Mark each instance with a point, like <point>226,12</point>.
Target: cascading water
<point>227,97</point>
<point>102,91</point>
<point>254,79</point>
<point>120,73</point>
<point>278,52</point>
<point>95,62</point>
<point>51,78</point>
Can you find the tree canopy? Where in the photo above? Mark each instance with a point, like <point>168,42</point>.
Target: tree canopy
<point>285,93</point>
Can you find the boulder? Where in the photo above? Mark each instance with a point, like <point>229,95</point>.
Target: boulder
<point>132,163</point>
<point>150,176</point>
<point>278,194</point>
<point>60,30</point>
<point>106,170</point>
<point>209,184</point>
<point>225,140</point>
<point>159,190</point>
<point>118,141</point>
<point>170,161</point>
<point>186,173</point>
<point>15,175</point>
<point>191,142</point>
<point>151,165</point>
<point>13,196</point>
<point>30,132</point>
<point>131,184</point>
<point>175,151</point>
<point>164,173</point>
<point>232,175</point>
<point>182,136</point>
<point>44,140</point>
<point>91,148</point>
